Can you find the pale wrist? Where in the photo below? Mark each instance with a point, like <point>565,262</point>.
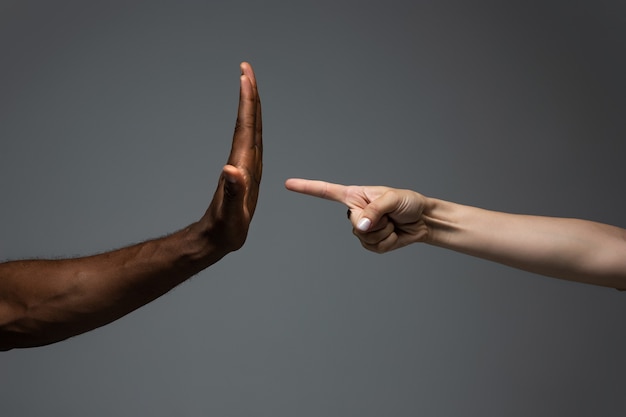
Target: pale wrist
<point>439,218</point>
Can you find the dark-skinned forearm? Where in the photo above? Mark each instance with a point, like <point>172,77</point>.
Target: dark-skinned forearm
<point>44,301</point>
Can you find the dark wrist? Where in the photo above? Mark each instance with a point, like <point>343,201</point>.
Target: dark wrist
<point>200,247</point>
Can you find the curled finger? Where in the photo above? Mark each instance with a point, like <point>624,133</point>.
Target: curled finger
<point>375,237</point>
<point>385,245</point>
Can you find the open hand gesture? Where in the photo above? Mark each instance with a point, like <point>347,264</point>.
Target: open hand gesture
<point>228,217</point>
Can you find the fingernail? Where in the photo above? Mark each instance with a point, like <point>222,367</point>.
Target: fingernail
<point>364,224</point>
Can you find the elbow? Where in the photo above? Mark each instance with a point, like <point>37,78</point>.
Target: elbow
<point>19,330</point>
<point>607,270</point>
<point>10,318</point>
<point>21,337</point>
<point>14,333</point>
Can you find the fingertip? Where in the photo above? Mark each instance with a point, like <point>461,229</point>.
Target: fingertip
<point>246,69</point>
<point>289,183</point>
<point>230,173</point>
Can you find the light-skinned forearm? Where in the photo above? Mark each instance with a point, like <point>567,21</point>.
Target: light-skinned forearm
<point>50,300</point>
<point>572,249</point>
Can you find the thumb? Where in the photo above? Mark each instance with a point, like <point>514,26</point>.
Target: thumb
<point>376,210</point>
<point>234,188</point>
<point>364,224</point>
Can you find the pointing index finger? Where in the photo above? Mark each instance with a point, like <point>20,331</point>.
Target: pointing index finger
<point>321,189</point>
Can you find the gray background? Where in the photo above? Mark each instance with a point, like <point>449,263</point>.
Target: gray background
<point>116,118</point>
